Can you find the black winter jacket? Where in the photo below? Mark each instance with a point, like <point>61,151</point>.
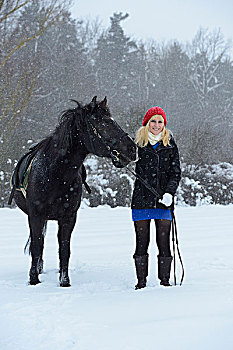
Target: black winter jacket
<point>160,168</point>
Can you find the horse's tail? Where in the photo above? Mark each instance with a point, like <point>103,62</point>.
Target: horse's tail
<point>27,248</point>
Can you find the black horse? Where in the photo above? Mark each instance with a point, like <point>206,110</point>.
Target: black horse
<point>55,180</point>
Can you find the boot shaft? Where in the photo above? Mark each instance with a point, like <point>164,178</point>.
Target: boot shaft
<point>141,265</point>
<point>164,268</point>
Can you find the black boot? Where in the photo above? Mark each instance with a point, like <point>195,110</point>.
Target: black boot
<point>141,264</point>
<point>164,269</point>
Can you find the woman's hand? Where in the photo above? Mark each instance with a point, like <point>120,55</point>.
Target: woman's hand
<point>167,199</point>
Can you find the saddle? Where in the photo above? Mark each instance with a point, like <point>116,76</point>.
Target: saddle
<point>19,178</point>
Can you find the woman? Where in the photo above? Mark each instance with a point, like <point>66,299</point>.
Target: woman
<point>159,167</point>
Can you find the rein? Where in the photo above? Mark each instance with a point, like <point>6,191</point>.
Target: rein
<point>175,240</point>
<point>151,189</point>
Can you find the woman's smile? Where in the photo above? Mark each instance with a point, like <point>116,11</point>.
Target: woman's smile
<point>156,125</point>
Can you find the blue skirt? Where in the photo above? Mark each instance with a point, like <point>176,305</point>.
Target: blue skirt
<point>146,214</point>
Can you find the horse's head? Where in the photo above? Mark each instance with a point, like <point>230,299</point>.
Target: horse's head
<point>104,137</point>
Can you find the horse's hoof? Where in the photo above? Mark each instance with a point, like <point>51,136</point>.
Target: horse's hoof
<point>64,279</point>
<point>65,284</point>
<point>33,275</point>
<point>34,281</point>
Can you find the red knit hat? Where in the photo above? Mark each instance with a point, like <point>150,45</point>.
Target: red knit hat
<point>153,111</point>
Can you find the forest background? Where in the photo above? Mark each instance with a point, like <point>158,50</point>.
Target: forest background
<point>48,58</point>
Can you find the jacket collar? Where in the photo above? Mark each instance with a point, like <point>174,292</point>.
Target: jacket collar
<point>160,147</point>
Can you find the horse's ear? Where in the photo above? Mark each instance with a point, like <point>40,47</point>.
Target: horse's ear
<point>76,102</point>
<point>104,102</point>
<point>94,99</point>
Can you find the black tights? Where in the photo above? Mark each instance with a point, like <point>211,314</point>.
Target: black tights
<point>142,230</point>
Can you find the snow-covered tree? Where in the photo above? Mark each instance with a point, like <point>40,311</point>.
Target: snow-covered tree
<point>211,114</point>
<point>113,63</point>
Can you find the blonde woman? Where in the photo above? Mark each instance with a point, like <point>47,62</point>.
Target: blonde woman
<point>159,166</point>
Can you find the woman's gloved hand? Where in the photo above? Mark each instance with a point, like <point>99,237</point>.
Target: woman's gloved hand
<point>167,199</point>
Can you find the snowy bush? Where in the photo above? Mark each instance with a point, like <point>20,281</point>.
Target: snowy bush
<point>109,185</point>
<point>209,184</point>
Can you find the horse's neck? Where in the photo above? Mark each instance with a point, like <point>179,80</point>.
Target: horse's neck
<point>79,153</point>
<point>71,158</point>
<point>75,158</point>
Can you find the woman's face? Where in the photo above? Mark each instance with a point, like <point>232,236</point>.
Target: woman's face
<point>156,125</point>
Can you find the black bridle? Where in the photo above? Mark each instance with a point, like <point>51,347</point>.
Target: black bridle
<point>109,144</point>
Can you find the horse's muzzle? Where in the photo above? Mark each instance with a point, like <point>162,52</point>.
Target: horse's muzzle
<point>120,160</point>
<point>117,160</point>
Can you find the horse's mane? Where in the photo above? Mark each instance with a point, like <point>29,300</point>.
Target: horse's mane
<point>69,122</point>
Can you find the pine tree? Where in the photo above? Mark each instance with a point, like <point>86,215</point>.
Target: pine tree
<point>113,63</point>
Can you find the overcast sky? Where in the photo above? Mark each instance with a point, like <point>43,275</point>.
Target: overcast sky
<point>162,19</point>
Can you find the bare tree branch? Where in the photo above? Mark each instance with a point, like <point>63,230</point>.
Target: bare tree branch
<point>15,8</point>
<point>50,15</point>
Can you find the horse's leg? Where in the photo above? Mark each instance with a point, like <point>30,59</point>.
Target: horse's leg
<point>36,224</point>
<point>41,262</point>
<point>66,226</point>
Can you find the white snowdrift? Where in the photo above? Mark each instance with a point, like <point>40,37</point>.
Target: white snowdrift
<point>101,310</point>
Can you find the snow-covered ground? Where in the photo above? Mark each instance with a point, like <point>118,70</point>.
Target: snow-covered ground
<point>102,311</point>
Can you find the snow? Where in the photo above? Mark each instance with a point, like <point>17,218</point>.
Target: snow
<point>101,310</point>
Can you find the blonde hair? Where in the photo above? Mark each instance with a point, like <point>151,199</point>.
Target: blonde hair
<point>142,137</point>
